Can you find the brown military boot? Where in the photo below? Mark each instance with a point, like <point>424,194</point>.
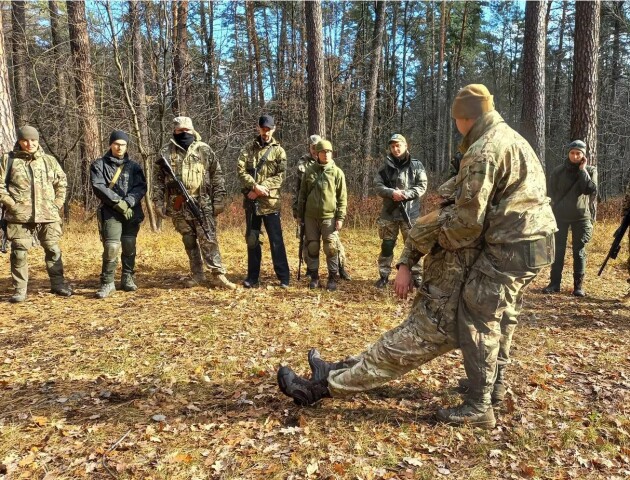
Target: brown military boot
<point>220,281</point>
<point>469,413</point>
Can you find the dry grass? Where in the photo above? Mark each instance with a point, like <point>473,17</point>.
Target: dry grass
<point>79,374</point>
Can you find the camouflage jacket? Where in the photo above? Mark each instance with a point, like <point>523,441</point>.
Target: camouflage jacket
<point>199,171</point>
<point>303,163</point>
<point>131,185</point>
<point>271,175</point>
<point>323,193</point>
<point>500,191</point>
<point>570,190</point>
<point>36,190</point>
<point>410,177</point>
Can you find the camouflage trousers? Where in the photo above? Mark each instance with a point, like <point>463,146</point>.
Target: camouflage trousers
<point>388,233</point>
<point>23,236</point>
<point>470,299</point>
<point>314,230</point>
<point>341,252</point>
<point>199,247</point>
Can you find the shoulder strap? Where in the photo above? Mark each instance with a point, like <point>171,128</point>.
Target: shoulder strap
<point>263,159</point>
<point>9,166</point>
<point>116,176</point>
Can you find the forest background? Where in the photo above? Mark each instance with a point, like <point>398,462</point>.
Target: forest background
<point>355,72</point>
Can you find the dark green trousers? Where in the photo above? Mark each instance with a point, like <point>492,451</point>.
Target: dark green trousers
<point>115,234</point>
<point>581,233</point>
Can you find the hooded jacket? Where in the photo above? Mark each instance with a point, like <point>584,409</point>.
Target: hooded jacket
<point>409,176</point>
<point>323,192</point>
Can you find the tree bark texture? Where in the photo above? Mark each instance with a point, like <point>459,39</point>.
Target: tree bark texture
<point>585,76</point>
<point>533,110</point>
<point>370,94</point>
<point>60,72</point>
<point>20,60</point>
<point>253,38</point>
<point>181,60</point>
<point>7,126</point>
<point>315,69</point>
<point>86,102</point>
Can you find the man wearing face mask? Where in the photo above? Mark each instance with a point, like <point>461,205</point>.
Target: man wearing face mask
<point>262,165</point>
<point>32,190</point>
<point>194,163</point>
<point>119,183</point>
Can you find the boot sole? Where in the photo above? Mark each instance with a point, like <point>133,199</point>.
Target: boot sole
<point>298,398</point>
<point>317,373</point>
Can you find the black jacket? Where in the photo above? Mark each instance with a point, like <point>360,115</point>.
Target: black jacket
<point>131,185</point>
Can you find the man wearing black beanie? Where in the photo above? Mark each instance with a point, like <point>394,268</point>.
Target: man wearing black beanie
<point>120,184</point>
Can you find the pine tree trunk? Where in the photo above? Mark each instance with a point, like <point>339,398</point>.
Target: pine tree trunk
<point>20,59</point>
<point>60,72</point>
<point>315,69</point>
<point>533,111</point>
<point>86,102</point>
<point>181,61</point>
<point>585,76</point>
<point>370,96</point>
<point>253,38</point>
<point>7,126</point>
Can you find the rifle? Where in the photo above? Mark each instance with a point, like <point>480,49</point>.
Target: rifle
<point>3,226</point>
<point>617,239</point>
<point>190,202</point>
<point>301,247</point>
<point>399,205</point>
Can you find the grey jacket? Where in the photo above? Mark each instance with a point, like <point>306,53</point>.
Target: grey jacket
<point>408,175</point>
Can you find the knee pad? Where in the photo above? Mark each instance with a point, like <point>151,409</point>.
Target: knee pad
<point>313,248</point>
<point>253,238</point>
<point>330,249</point>
<point>110,251</point>
<point>190,242</point>
<point>19,255</point>
<point>387,248</point>
<point>51,250</point>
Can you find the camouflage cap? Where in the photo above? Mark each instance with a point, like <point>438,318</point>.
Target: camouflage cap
<point>314,139</point>
<point>183,122</point>
<point>397,137</point>
<point>577,145</point>
<point>323,146</point>
<point>28,133</point>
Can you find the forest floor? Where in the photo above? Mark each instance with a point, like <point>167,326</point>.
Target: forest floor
<point>170,383</point>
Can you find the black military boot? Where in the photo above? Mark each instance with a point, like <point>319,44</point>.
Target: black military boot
<point>331,286</point>
<point>320,368</point>
<point>554,283</point>
<point>61,289</point>
<point>578,290</point>
<point>314,276</point>
<point>343,273</point>
<point>382,282</point>
<point>303,392</point>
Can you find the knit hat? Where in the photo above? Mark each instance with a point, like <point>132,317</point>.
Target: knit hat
<point>266,121</point>
<point>323,145</point>
<point>577,145</point>
<point>183,122</point>
<point>397,137</point>
<point>472,101</point>
<point>118,135</point>
<point>314,139</point>
<point>28,133</point>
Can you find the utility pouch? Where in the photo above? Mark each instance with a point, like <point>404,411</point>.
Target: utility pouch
<point>178,202</point>
<point>540,253</point>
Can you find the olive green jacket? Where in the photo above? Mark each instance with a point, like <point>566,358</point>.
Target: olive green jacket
<point>36,190</point>
<point>323,193</point>
<point>271,175</point>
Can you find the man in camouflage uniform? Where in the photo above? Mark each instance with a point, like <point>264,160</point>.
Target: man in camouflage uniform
<point>194,163</point>
<point>322,206</point>
<point>33,197</point>
<point>262,165</point>
<point>303,163</point>
<point>400,183</point>
<point>119,183</point>
<point>480,253</point>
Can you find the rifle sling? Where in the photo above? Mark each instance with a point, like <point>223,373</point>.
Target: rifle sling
<point>116,176</point>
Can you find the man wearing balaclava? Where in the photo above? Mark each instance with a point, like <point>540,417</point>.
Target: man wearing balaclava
<point>195,164</point>
<point>33,196</point>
